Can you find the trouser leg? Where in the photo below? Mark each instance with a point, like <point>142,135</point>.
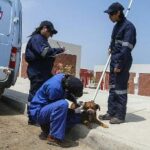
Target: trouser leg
<point>55,115</point>
<point>112,97</point>
<point>35,83</point>
<point>72,119</point>
<point>121,93</point>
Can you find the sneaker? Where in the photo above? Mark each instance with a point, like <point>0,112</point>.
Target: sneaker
<point>115,120</point>
<point>105,117</point>
<point>56,142</point>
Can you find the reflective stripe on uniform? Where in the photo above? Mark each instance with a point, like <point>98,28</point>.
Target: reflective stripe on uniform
<point>112,86</point>
<point>29,103</point>
<point>43,54</point>
<point>127,44</point>
<point>120,92</point>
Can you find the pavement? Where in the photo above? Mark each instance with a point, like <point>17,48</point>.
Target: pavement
<point>134,134</point>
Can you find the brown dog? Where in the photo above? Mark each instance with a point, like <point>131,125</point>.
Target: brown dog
<point>89,115</point>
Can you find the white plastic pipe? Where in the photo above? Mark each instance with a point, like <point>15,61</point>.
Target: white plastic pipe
<point>108,60</point>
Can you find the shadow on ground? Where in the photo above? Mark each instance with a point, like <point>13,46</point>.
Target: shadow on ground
<point>75,133</point>
<point>130,117</point>
<point>13,103</point>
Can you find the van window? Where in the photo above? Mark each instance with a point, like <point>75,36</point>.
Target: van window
<point>5,20</point>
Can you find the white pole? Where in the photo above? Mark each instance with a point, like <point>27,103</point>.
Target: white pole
<point>129,7</point>
<point>108,60</point>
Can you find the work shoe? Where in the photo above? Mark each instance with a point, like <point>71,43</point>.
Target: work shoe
<point>115,120</point>
<point>45,132</point>
<point>43,136</point>
<point>32,123</point>
<point>57,142</point>
<point>105,117</point>
<point>45,128</point>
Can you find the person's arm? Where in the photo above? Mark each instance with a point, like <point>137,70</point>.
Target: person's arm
<point>127,44</point>
<point>43,49</point>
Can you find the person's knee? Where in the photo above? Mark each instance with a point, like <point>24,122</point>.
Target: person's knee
<point>64,104</point>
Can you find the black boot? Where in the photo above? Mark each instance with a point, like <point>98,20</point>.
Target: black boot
<point>105,117</point>
<point>115,120</point>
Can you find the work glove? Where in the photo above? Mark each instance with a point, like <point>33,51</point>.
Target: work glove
<point>78,110</point>
<point>80,103</point>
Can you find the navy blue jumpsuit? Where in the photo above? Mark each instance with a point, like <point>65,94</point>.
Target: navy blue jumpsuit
<point>49,107</point>
<point>39,56</point>
<point>122,43</point>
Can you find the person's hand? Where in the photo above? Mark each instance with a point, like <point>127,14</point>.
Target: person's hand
<point>117,70</point>
<point>78,110</point>
<point>63,49</point>
<point>109,51</point>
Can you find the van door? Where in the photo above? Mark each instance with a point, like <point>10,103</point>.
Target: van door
<point>6,11</point>
<point>17,38</point>
<point>10,41</point>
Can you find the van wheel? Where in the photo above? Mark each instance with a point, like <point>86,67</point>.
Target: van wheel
<point>1,91</point>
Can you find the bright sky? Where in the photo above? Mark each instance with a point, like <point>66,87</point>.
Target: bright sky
<point>83,22</point>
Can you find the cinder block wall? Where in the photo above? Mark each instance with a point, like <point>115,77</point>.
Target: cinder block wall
<point>144,84</point>
<point>131,83</point>
<point>105,81</point>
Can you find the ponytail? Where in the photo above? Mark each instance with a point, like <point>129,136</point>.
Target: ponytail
<point>37,31</point>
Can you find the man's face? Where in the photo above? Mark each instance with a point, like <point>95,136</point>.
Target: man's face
<point>114,17</point>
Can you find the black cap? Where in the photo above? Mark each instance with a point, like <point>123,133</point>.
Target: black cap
<point>49,25</point>
<point>73,85</point>
<point>114,7</point>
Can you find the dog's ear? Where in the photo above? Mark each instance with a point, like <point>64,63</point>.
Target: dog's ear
<point>97,107</point>
<point>85,106</point>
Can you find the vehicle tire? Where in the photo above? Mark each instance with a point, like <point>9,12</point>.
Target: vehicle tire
<point>1,91</point>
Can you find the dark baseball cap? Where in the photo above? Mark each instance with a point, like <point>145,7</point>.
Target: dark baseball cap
<point>74,85</point>
<point>114,7</point>
<point>49,25</point>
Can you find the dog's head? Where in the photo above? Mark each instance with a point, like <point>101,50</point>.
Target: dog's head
<point>90,108</point>
<point>91,105</point>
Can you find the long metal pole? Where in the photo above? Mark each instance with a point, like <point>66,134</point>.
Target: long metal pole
<point>108,60</point>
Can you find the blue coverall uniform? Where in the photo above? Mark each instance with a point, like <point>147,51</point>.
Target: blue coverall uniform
<point>39,56</point>
<point>122,43</point>
<point>49,107</point>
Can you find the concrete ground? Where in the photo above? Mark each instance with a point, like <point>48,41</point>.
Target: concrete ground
<point>131,135</point>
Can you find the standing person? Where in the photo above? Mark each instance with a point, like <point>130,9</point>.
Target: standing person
<point>122,43</point>
<point>40,57</point>
<point>49,107</point>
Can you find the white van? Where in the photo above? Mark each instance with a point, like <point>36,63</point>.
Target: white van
<point>10,42</point>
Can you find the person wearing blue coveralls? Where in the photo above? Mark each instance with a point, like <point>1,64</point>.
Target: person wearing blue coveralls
<point>49,107</point>
<point>122,43</point>
<point>40,57</point>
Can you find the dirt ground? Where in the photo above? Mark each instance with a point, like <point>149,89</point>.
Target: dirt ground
<point>15,134</point>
